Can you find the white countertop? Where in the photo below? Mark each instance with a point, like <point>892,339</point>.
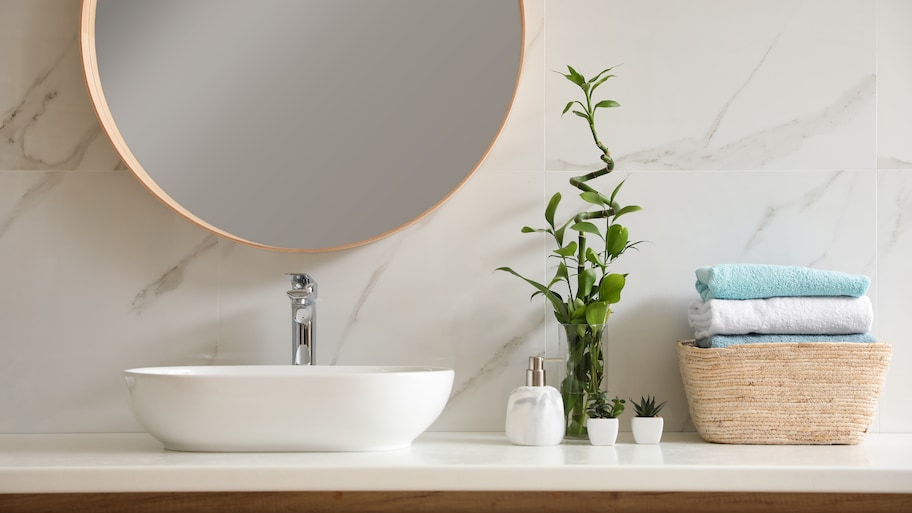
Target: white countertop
<point>456,461</point>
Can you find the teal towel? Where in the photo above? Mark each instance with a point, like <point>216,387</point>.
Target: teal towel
<point>758,281</point>
<point>733,340</point>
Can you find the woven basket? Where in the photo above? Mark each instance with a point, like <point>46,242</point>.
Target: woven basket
<point>783,393</point>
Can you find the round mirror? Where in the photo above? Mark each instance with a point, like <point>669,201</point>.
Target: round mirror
<point>302,124</point>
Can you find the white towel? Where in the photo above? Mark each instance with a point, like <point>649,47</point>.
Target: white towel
<point>782,315</point>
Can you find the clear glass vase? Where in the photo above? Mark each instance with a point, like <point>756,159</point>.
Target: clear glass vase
<point>582,375</point>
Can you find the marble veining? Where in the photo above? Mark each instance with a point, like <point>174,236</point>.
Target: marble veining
<point>172,278</point>
<point>894,248</point>
<point>22,125</point>
<point>30,199</point>
<point>893,163</point>
<point>902,204</point>
<point>894,81</point>
<point>750,132</point>
<point>721,114</point>
<point>497,363</point>
<point>758,80</point>
<point>760,148</point>
<point>804,202</point>
<point>356,309</point>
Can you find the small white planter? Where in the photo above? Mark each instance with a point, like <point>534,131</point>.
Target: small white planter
<point>647,430</point>
<point>602,431</point>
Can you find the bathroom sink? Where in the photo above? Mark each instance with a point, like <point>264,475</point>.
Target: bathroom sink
<point>262,408</point>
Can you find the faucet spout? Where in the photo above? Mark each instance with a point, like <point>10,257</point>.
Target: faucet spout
<point>303,295</point>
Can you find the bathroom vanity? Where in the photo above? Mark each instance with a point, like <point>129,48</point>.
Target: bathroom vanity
<point>455,472</point>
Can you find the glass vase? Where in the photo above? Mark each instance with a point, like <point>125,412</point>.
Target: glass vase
<point>582,374</point>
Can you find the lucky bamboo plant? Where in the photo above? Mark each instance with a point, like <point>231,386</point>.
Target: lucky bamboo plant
<point>582,287</point>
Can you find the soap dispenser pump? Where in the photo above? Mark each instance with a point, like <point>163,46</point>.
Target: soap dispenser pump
<point>535,412</point>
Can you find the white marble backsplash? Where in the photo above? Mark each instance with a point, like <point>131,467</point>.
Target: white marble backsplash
<point>771,131</point>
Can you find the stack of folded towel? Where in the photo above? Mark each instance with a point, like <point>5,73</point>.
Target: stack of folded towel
<point>751,303</point>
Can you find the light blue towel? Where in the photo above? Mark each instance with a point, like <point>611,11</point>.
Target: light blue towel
<point>758,281</point>
<point>733,340</point>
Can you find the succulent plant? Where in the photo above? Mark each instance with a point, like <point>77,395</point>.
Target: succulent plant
<point>601,408</point>
<point>647,406</point>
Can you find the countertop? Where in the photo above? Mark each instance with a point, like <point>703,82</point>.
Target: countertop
<point>436,461</point>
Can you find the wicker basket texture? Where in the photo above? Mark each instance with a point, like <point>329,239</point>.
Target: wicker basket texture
<point>788,393</point>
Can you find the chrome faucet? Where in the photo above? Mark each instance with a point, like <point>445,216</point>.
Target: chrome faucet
<point>303,295</point>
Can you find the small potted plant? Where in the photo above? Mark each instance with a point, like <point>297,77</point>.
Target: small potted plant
<point>602,423</point>
<point>647,426</point>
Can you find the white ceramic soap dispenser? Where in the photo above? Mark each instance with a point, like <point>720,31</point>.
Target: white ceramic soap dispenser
<point>535,412</point>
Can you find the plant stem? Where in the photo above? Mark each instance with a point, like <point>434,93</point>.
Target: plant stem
<point>590,117</point>
<point>580,264</point>
<point>582,216</point>
<point>580,181</point>
<point>606,255</point>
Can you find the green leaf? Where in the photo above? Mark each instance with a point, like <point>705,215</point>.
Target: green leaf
<point>586,282</point>
<point>580,114</point>
<point>559,233</point>
<point>561,274</point>
<point>594,198</point>
<point>593,257</point>
<point>616,189</point>
<point>560,309</point>
<point>529,229</point>
<point>600,82</point>
<point>606,104</point>
<point>626,210</point>
<point>577,311</point>
<point>575,77</point>
<point>568,250</point>
<point>610,288</point>
<point>616,240</point>
<point>598,79</point>
<point>587,227</point>
<point>578,304</point>
<point>600,73</point>
<point>570,104</point>
<point>552,208</point>
<point>597,313</point>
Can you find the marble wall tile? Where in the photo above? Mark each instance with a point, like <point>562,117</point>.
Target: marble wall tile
<point>426,296</point>
<point>46,118</point>
<point>894,81</point>
<point>894,245</point>
<point>716,84</point>
<point>96,277</point>
<point>691,219</point>
<point>747,133</point>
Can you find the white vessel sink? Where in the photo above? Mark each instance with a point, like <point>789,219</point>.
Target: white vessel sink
<point>287,408</point>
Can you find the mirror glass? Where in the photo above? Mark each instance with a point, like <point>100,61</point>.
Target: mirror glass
<point>302,124</point>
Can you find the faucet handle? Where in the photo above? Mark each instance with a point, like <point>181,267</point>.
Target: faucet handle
<point>302,281</point>
<point>299,280</point>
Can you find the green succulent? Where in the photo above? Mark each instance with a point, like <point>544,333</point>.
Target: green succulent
<point>647,406</point>
<point>601,408</point>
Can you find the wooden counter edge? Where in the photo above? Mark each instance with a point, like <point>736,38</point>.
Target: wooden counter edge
<point>455,502</point>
